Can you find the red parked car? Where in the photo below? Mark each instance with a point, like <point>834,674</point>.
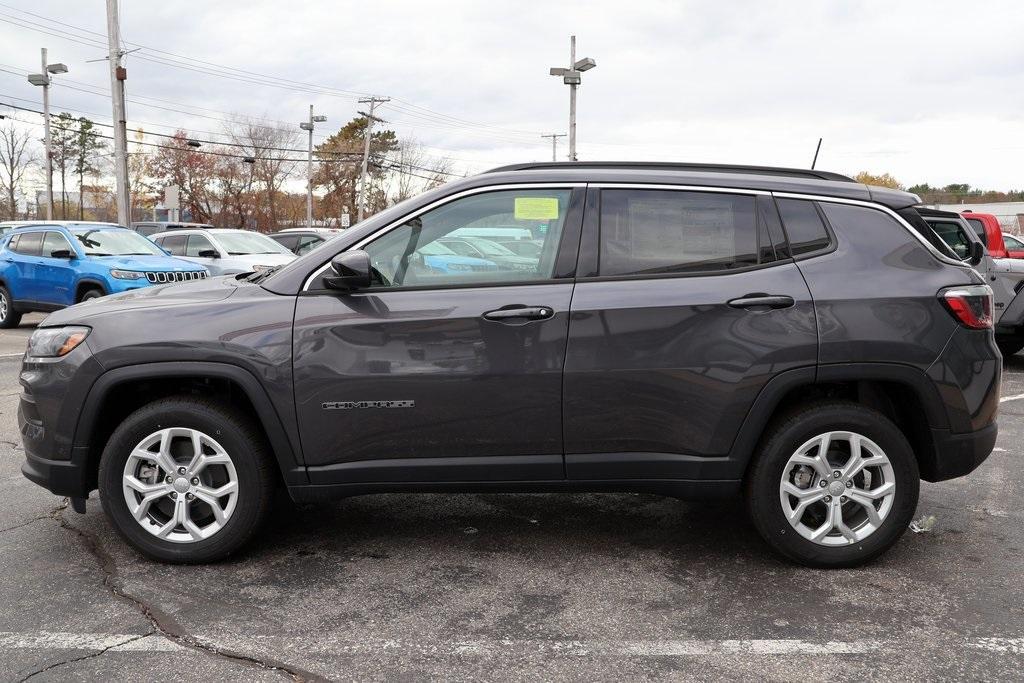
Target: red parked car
<point>987,227</point>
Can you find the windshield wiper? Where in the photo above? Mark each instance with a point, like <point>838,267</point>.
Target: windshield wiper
<point>260,277</point>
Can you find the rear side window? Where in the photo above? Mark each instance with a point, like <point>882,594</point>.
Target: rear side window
<point>673,231</point>
<point>30,244</point>
<point>804,226</point>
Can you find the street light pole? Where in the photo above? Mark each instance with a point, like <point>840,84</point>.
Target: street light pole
<point>43,79</point>
<point>572,77</point>
<point>308,126</point>
<point>49,151</point>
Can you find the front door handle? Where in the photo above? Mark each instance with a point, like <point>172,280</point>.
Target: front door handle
<point>520,313</point>
<point>762,300</point>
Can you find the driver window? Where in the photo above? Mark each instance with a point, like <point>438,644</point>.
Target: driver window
<point>462,241</point>
<point>196,244</point>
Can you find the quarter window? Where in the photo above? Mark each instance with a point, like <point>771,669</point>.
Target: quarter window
<point>804,226</point>
<point>418,254</point>
<point>673,231</point>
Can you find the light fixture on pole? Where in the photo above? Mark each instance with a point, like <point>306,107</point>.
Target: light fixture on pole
<point>308,126</point>
<point>44,80</point>
<point>572,77</point>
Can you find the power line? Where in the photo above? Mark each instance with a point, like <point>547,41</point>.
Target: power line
<point>211,68</point>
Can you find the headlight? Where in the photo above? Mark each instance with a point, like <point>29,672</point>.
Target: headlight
<point>127,275</point>
<point>53,342</point>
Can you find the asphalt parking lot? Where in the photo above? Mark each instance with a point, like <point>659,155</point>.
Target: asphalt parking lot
<point>506,587</point>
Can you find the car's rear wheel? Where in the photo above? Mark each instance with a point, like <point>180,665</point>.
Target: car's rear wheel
<point>186,480</point>
<point>8,316</point>
<point>835,485</point>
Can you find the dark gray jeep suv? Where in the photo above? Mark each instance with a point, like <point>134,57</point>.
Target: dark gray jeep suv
<point>687,330</point>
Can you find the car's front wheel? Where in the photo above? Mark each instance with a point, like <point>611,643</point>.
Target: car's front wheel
<point>835,485</point>
<point>186,480</point>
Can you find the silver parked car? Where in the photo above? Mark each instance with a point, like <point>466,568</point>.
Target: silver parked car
<point>225,251</point>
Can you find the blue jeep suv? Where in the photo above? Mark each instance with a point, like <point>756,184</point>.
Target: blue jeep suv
<point>47,266</point>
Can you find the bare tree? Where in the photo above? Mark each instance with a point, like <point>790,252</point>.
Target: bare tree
<point>273,166</point>
<point>17,158</point>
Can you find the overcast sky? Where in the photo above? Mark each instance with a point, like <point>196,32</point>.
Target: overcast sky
<point>928,91</point>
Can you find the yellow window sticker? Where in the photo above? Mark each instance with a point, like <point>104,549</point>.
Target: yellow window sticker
<point>536,208</point>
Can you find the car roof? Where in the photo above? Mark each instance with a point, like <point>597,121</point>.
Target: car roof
<point>679,166</point>
<point>765,178</point>
<point>70,225</point>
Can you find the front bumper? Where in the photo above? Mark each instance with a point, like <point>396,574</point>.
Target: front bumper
<point>955,455</point>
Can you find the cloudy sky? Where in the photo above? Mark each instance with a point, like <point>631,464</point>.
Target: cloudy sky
<point>928,91</point>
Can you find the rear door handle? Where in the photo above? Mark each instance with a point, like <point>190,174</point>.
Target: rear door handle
<point>520,313</point>
<point>762,300</point>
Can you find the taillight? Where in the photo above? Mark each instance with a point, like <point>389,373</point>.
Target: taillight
<point>970,305</point>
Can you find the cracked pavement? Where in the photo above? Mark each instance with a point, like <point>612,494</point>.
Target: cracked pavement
<point>510,587</point>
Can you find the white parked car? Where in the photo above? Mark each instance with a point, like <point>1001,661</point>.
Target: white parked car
<point>224,251</point>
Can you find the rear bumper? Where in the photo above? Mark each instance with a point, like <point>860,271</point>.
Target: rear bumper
<point>955,455</point>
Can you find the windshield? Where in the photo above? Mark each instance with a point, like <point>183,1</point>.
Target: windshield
<point>116,243</point>
<point>240,243</point>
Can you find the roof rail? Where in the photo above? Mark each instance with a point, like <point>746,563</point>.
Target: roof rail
<point>673,166</point>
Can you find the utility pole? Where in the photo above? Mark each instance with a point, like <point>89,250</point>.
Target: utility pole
<point>554,144</point>
<point>572,77</point>
<point>43,79</point>
<point>308,126</point>
<point>118,75</point>
<point>363,177</point>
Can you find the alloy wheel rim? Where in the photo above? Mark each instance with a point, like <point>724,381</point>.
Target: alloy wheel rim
<point>3,306</point>
<point>837,488</point>
<point>180,485</point>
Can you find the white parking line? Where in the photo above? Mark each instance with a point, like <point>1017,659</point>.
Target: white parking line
<point>11,355</point>
<point>48,640</point>
<point>1015,397</point>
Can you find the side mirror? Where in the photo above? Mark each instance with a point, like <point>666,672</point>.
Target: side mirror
<point>61,253</point>
<point>351,271</point>
<point>209,253</point>
<point>977,253</point>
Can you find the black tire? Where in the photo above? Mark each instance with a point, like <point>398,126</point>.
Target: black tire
<point>241,439</point>
<point>1009,346</point>
<point>90,294</point>
<point>783,439</point>
<point>8,316</point>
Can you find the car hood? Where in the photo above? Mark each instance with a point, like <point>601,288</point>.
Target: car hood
<point>167,296</point>
<point>161,263</point>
